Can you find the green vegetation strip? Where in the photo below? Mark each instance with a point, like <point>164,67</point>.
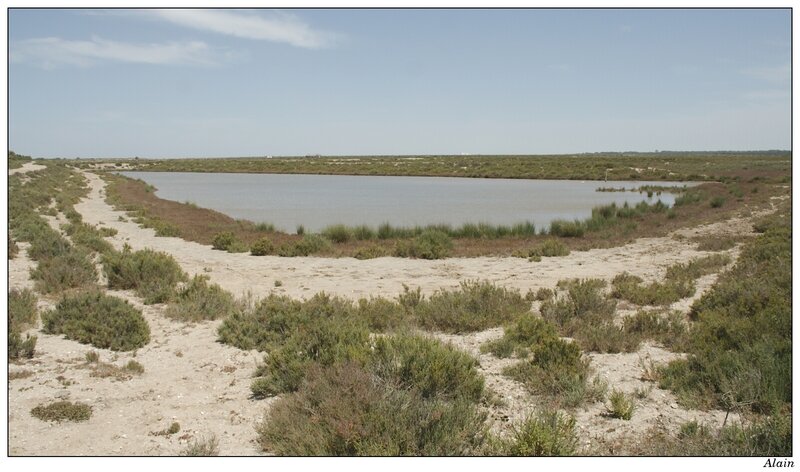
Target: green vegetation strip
<point>667,166</point>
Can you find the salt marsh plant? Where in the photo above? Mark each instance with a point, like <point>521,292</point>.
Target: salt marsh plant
<point>199,300</point>
<point>101,320</point>
<point>153,275</point>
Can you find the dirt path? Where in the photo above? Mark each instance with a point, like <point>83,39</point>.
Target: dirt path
<point>385,276</point>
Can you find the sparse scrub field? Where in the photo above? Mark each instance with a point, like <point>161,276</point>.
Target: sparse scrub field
<point>740,343</point>
<point>153,275</point>
<point>679,282</point>
<point>411,396</point>
<point>100,320</point>
<point>199,300</point>
<point>63,411</point>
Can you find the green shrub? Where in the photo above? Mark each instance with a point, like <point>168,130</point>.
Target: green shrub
<point>48,244</point>
<point>371,252</point>
<point>153,275</point>
<point>430,244</point>
<point>347,410</point>
<point>87,236</point>
<point>262,247</point>
<point>310,244</point>
<point>567,229</point>
<point>556,370</point>
<point>583,300</point>
<point>671,330</point>
<point>548,433</point>
<point>13,249</point>
<point>520,337</point>
<point>544,293</point>
<point>203,447</point>
<point>717,202</point>
<point>21,309</point>
<point>364,233</point>
<point>381,315</point>
<point>475,306</point>
<point>63,411</point>
<point>324,341</point>
<point>222,241</point>
<point>199,301</point>
<point>338,233</point>
<point>17,348</point>
<point>621,405</point>
<point>435,370</point>
<point>100,320</point>
<point>72,269</point>
<point>134,367</point>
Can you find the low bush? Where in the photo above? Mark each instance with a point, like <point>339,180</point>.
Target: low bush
<point>262,247</point>
<point>714,242</point>
<point>547,433</point>
<point>13,249</point>
<point>21,309</point>
<point>100,320</point>
<point>584,299</point>
<point>72,269</point>
<point>153,275</point>
<point>19,348</point>
<point>381,315</point>
<point>87,236</point>
<point>199,301</point>
<point>670,330</point>
<point>717,202</point>
<point>433,369</point>
<point>371,252</point>
<point>48,244</point>
<point>203,447</point>
<point>567,229</point>
<point>621,405</point>
<point>556,370</point>
<point>310,244</point>
<point>324,341</point>
<point>337,233</point>
<point>348,410</point>
<point>475,306</point>
<point>430,244</point>
<point>63,411</point>
<point>521,337</point>
<point>222,241</point>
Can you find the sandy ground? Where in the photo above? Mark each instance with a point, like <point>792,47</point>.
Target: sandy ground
<point>27,167</point>
<point>204,385</point>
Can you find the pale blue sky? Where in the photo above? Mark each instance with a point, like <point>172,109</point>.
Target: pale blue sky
<point>181,83</point>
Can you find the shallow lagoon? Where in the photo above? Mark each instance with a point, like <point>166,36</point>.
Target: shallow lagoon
<point>317,201</point>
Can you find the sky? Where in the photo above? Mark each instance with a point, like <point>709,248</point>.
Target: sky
<point>203,83</point>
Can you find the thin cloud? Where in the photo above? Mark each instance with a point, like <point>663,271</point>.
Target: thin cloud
<point>52,52</point>
<point>278,27</point>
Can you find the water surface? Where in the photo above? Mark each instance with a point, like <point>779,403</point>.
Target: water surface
<point>316,201</point>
